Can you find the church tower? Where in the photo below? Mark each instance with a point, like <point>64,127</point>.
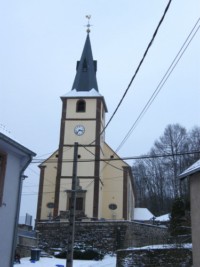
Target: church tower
<point>83,119</point>
<point>104,189</point>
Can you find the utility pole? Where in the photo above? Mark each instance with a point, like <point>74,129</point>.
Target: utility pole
<point>70,248</point>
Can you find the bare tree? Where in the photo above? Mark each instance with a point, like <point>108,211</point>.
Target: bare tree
<point>194,142</point>
<point>157,182</point>
<point>174,141</point>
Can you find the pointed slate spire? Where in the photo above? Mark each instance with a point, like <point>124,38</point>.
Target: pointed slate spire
<point>85,78</point>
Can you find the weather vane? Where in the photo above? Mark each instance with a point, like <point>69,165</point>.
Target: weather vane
<point>88,25</point>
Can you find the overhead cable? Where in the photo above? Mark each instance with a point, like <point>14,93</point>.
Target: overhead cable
<point>162,82</point>
<point>149,156</point>
<point>137,70</point>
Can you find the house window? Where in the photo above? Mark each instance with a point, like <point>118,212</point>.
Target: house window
<point>80,106</point>
<point>2,175</point>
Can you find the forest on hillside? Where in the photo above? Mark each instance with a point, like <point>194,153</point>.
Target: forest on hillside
<point>156,176</point>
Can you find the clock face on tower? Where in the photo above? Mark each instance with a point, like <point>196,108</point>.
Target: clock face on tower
<point>79,130</point>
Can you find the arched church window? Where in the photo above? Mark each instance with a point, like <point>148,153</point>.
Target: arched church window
<point>80,106</point>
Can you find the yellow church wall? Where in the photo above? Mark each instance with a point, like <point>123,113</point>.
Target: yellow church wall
<point>89,113</point>
<point>65,184</point>
<point>112,193</point>
<point>83,168</point>
<point>86,168</point>
<point>67,161</point>
<point>49,185</point>
<point>113,185</point>
<point>88,184</point>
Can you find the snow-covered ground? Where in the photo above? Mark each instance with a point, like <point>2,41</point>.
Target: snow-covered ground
<point>163,246</point>
<point>108,261</point>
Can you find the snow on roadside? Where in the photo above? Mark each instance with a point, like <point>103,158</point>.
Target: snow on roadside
<point>108,261</point>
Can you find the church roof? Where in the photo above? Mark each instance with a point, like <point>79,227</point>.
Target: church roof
<point>85,82</point>
<point>75,93</point>
<point>85,94</point>
<point>85,78</point>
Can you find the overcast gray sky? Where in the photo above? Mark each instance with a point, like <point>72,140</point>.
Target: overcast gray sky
<point>41,42</point>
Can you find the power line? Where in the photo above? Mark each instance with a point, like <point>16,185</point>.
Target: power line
<point>51,153</point>
<point>127,158</point>
<point>137,70</point>
<point>162,82</point>
<point>52,192</point>
<point>107,163</point>
<point>45,185</point>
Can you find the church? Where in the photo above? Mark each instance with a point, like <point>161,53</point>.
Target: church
<point>104,182</point>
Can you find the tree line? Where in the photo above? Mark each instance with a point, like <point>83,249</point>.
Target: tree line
<point>156,178</point>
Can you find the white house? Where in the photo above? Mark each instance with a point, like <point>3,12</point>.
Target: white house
<point>193,172</point>
<point>142,214</point>
<point>14,159</point>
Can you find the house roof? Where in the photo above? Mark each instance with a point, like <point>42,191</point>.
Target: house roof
<point>163,218</point>
<point>142,214</point>
<point>194,168</point>
<point>85,78</point>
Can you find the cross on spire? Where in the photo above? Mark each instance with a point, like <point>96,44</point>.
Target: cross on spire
<point>88,17</point>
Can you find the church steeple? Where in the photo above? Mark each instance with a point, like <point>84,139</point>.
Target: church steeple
<point>82,122</point>
<point>85,78</point>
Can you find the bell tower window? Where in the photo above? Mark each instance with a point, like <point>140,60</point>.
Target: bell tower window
<point>80,106</point>
<point>85,67</point>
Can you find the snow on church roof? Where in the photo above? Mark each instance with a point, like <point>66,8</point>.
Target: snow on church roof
<point>86,94</point>
<point>191,170</point>
<point>75,93</point>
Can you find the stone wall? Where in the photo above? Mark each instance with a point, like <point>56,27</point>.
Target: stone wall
<point>25,244</point>
<point>107,236</point>
<point>142,234</point>
<point>26,240</point>
<point>164,257</point>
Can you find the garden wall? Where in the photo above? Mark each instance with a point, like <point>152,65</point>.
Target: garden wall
<point>107,236</point>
